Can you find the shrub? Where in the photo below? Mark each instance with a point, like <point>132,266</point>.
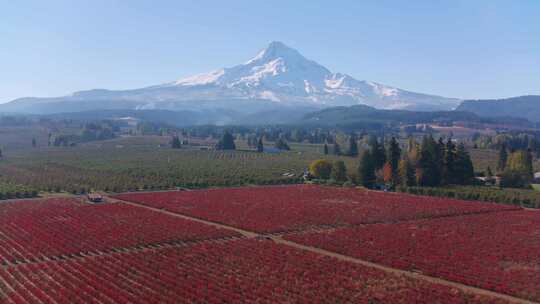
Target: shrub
<point>321,169</point>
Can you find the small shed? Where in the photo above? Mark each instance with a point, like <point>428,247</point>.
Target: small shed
<point>95,198</point>
<point>537,178</point>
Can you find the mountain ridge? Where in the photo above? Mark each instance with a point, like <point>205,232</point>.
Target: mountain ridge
<point>527,106</point>
<point>277,74</point>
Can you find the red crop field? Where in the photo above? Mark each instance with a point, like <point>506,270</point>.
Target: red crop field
<point>289,208</point>
<point>35,229</point>
<point>241,271</point>
<point>498,251</point>
<point>66,250</point>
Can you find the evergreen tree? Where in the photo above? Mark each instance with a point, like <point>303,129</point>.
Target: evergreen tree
<point>413,152</point>
<point>1,155</point>
<point>503,158</point>
<point>34,143</point>
<point>260,145</point>
<point>394,154</point>
<point>325,149</point>
<point>463,167</point>
<point>489,173</point>
<point>429,163</point>
<point>353,146</point>
<point>406,173</point>
<point>366,170</point>
<point>448,170</point>
<point>339,171</point>
<point>282,144</point>
<point>226,142</point>
<point>175,142</point>
<point>337,149</point>
<point>529,163</point>
<point>377,153</point>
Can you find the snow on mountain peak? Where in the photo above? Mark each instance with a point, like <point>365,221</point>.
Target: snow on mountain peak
<point>281,73</point>
<point>201,79</point>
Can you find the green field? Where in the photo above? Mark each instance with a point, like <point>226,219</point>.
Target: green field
<point>131,163</point>
<point>521,197</point>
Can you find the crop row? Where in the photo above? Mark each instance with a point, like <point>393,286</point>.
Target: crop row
<point>289,208</point>
<point>36,228</point>
<point>519,197</point>
<point>131,168</point>
<point>497,251</point>
<point>242,271</point>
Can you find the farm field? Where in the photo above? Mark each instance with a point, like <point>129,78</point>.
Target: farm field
<point>243,271</point>
<point>287,208</point>
<point>128,164</point>
<point>225,248</point>
<point>498,251</point>
<point>38,229</point>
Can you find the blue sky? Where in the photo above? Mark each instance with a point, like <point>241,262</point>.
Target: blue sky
<point>454,48</point>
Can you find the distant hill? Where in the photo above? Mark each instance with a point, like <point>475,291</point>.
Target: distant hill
<point>524,106</point>
<point>365,115</point>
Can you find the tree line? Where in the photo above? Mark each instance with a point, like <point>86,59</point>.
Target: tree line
<point>431,163</point>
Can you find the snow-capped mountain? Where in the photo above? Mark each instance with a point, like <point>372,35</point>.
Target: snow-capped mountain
<point>281,74</point>
<point>277,76</point>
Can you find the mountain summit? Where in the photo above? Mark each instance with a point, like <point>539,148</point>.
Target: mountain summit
<point>277,76</point>
<point>281,74</point>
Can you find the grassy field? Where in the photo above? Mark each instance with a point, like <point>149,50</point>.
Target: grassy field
<point>130,163</point>
<point>521,197</point>
<point>148,162</point>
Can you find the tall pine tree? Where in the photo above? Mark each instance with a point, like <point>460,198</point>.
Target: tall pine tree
<point>260,145</point>
<point>337,149</point>
<point>366,170</point>
<point>377,153</point>
<point>406,173</point>
<point>503,158</point>
<point>226,142</point>
<point>393,154</point>
<point>448,170</point>
<point>353,146</point>
<point>463,167</point>
<point>429,163</point>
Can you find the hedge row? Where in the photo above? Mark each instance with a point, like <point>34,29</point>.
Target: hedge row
<point>524,198</point>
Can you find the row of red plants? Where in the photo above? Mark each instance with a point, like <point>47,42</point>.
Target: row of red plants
<point>289,208</point>
<point>44,228</point>
<point>497,251</point>
<point>242,271</point>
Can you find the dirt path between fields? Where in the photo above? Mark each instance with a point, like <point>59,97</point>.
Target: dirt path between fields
<point>280,240</point>
<point>245,233</point>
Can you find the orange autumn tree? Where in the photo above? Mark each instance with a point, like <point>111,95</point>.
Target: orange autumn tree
<point>388,173</point>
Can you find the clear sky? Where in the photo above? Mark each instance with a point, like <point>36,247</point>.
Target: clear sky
<point>454,48</point>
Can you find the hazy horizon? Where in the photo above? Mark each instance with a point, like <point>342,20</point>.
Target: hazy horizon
<point>486,49</point>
